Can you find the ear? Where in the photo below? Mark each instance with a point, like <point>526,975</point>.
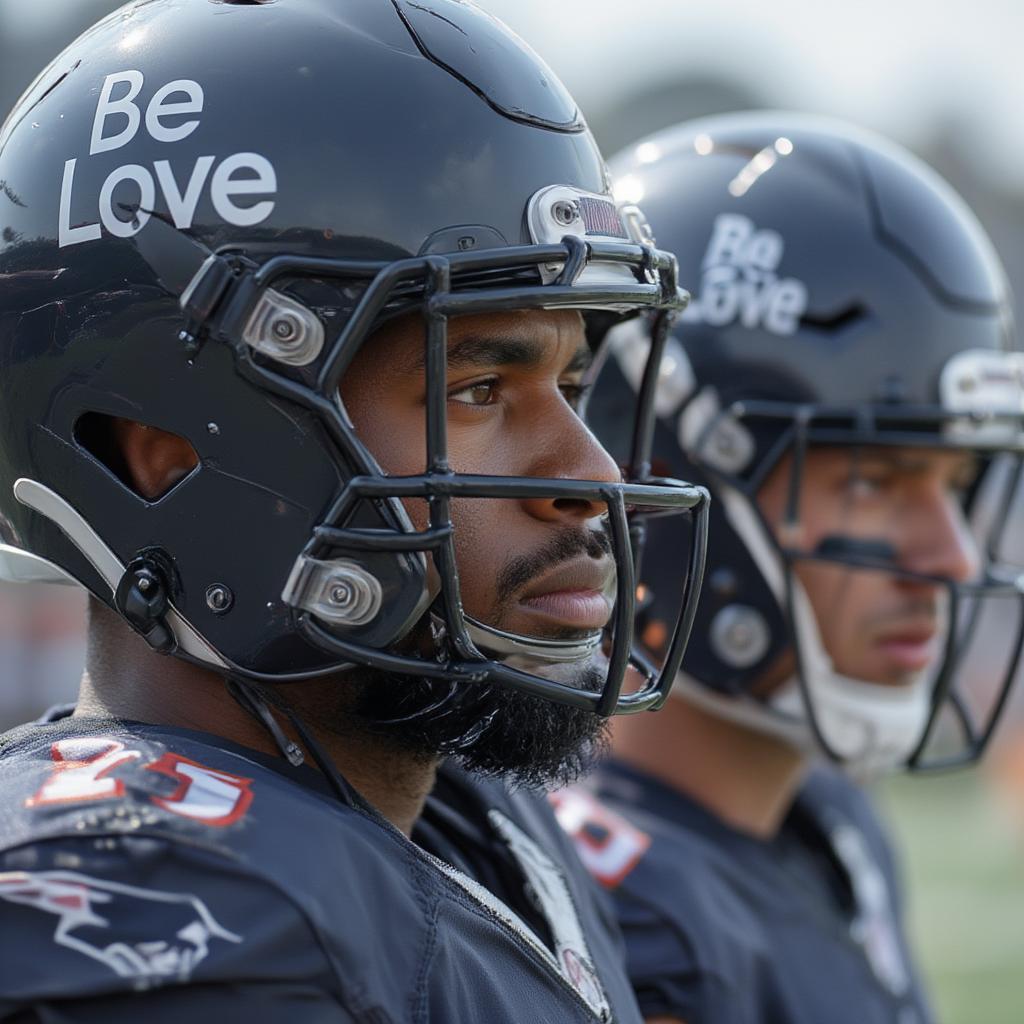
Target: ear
<point>155,459</point>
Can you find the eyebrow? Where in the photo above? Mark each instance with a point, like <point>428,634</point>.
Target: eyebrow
<point>908,463</point>
<point>526,352</point>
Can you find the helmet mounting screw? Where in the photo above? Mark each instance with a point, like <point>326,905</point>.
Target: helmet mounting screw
<point>564,212</point>
<point>219,598</point>
<point>284,329</point>
<point>739,635</point>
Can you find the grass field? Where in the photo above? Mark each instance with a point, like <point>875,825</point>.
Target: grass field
<point>963,860</point>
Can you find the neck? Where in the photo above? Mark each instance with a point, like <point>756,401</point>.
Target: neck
<point>747,779</point>
<point>124,679</point>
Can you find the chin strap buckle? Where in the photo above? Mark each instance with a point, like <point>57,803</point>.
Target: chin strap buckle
<point>142,600</point>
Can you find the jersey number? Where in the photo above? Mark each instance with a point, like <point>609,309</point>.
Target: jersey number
<point>608,845</point>
<point>82,771</point>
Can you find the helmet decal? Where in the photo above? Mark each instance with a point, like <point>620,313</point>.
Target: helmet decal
<point>134,188</point>
<point>741,283</point>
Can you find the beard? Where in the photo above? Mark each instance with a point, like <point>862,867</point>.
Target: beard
<point>491,728</point>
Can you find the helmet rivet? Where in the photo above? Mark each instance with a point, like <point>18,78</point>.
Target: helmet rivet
<point>219,598</point>
<point>564,212</point>
<point>341,594</point>
<point>739,636</point>
<point>212,428</point>
<point>283,329</point>
<point>466,242</point>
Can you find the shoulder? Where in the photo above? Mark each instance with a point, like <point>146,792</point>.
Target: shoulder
<point>94,916</point>
<point>72,776</point>
<point>132,858</point>
<point>845,812</point>
<point>693,937</point>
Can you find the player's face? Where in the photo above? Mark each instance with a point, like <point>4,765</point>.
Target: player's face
<point>907,501</point>
<point>537,567</point>
<point>540,566</point>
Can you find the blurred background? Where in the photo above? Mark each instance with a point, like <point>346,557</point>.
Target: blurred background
<point>945,80</point>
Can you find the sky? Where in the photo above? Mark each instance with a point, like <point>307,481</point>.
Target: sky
<point>894,65</point>
<point>890,64</point>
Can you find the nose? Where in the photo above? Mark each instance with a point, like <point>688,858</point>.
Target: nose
<point>567,450</point>
<point>939,541</point>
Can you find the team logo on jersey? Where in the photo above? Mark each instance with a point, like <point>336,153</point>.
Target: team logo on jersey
<point>551,890</point>
<point>740,280</point>
<point>609,846</point>
<point>145,935</point>
<point>128,195</point>
<point>874,926</point>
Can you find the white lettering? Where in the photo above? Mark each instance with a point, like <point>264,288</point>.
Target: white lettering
<point>764,251</point>
<point>718,299</point>
<point>789,303</point>
<point>205,794</point>
<point>67,235</point>
<point>754,300</point>
<point>740,280</point>
<point>140,211</point>
<point>105,107</point>
<point>731,233</point>
<point>82,770</point>
<point>182,207</point>
<point>224,186</point>
<point>159,108</point>
<point>117,121</point>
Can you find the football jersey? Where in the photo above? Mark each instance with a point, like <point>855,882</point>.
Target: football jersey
<point>140,857</point>
<point>725,928</point>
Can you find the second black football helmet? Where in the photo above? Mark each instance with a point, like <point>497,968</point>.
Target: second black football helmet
<point>843,295</point>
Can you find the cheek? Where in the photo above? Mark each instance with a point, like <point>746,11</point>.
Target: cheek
<point>488,446</point>
<point>487,534</point>
<point>842,600</point>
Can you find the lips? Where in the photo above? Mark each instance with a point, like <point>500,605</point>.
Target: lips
<point>912,648</point>
<point>577,594</point>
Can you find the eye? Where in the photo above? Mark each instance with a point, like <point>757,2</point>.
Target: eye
<point>574,393</point>
<point>480,393</point>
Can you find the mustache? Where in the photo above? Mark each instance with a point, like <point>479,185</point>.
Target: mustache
<point>565,545</point>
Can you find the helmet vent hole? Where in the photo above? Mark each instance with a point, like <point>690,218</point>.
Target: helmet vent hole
<point>148,461</point>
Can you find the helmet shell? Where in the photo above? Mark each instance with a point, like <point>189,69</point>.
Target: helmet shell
<point>369,131</point>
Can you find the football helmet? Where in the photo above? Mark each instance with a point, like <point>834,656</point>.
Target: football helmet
<point>206,209</point>
<point>843,296</point>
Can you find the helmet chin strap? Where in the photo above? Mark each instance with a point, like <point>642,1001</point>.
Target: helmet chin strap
<point>873,728</point>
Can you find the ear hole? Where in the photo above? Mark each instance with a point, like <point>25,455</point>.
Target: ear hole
<point>147,460</point>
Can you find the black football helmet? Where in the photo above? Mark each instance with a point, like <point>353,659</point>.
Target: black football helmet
<point>843,295</point>
<point>206,209</point>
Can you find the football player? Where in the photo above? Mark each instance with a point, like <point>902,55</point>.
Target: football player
<point>844,383</point>
<point>298,302</point>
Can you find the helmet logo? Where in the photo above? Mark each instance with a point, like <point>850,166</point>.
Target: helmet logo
<point>740,281</point>
<point>118,121</point>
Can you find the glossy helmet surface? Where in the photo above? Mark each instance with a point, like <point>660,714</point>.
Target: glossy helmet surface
<point>206,209</point>
<point>843,295</point>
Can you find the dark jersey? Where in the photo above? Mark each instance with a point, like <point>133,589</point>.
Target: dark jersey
<point>723,928</point>
<point>137,857</point>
